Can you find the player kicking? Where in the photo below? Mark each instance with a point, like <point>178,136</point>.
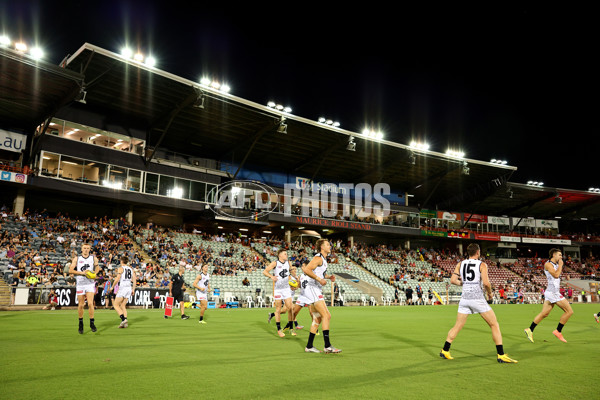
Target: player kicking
<point>85,287</point>
<point>471,274</point>
<point>126,280</point>
<point>315,271</point>
<point>553,269</point>
<point>282,292</point>
<point>202,286</point>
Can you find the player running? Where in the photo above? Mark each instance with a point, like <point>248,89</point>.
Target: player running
<point>471,274</point>
<point>202,286</point>
<point>126,280</point>
<point>316,273</point>
<point>85,287</point>
<point>282,292</point>
<point>553,269</point>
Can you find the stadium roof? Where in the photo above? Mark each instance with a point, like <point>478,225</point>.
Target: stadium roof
<point>237,131</point>
<point>31,91</point>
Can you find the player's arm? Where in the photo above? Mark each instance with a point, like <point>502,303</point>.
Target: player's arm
<point>267,271</point>
<point>133,281</point>
<point>483,268</point>
<point>72,268</point>
<point>117,279</point>
<point>554,272</point>
<point>171,287</point>
<point>96,265</point>
<point>198,277</point>
<point>309,270</point>
<point>455,279</point>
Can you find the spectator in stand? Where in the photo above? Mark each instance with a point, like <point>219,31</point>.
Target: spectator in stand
<point>409,294</point>
<point>52,301</point>
<point>246,282</point>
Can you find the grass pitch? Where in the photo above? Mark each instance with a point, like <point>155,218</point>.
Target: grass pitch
<point>388,353</point>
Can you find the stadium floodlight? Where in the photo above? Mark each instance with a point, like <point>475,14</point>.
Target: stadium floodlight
<point>36,53</point>
<point>279,107</point>
<point>126,52</point>
<point>150,61</point>
<point>535,183</point>
<point>372,134</point>
<point>455,153</point>
<point>594,190</point>
<point>499,162</point>
<point>139,57</point>
<point>225,88</point>
<point>419,146</point>
<point>5,41</point>
<point>328,122</point>
<point>20,46</point>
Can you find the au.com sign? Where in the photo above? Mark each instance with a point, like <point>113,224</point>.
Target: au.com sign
<point>249,200</point>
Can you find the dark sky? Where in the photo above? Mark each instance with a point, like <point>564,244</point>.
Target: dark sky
<point>518,83</point>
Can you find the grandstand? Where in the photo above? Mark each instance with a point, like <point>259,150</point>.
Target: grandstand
<point>137,168</point>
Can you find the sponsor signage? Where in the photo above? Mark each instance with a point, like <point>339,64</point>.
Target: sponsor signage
<point>305,183</point>
<point>12,141</point>
<point>526,222</point>
<point>513,239</point>
<point>476,218</point>
<point>340,224</point>
<point>8,176</point>
<point>426,232</point>
<point>498,220</point>
<point>488,236</point>
<point>448,216</point>
<point>546,223</point>
<point>424,213</point>
<point>546,241</point>
<point>458,235</point>
<point>67,297</point>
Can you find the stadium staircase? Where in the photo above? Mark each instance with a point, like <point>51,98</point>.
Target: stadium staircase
<point>4,294</point>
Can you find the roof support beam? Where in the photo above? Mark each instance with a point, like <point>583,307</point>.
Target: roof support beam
<point>527,204</point>
<point>190,99</point>
<point>256,137</point>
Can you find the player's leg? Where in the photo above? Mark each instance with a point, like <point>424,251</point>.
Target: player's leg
<point>278,304</point>
<point>316,320</point>
<point>203,306</point>
<point>597,317</point>
<point>546,308</point>
<point>567,313</point>
<point>321,308</point>
<point>297,309</point>
<point>492,321</point>
<point>289,307</point>
<point>80,305</point>
<point>461,318</point>
<point>90,300</point>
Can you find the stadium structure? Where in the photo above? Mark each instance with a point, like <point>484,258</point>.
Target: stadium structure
<point>103,134</point>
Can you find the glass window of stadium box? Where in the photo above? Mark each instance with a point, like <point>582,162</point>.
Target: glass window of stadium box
<point>134,179</point>
<point>94,172</point>
<point>166,186</point>
<point>197,191</point>
<point>151,184</point>
<point>71,168</point>
<point>98,137</point>
<point>116,178</point>
<point>50,163</point>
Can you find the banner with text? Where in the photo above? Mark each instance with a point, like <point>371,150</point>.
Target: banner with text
<point>546,241</point>
<point>448,216</point>
<point>476,218</point>
<point>523,222</point>
<point>495,237</point>
<point>426,232</point>
<point>498,220</point>
<point>12,141</point>
<point>546,223</point>
<point>512,239</point>
<point>67,298</point>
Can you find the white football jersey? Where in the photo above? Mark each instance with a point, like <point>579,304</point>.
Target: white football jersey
<point>470,273</point>
<point>282,272</point>
<point>319,272</point>
<point>84,264</point>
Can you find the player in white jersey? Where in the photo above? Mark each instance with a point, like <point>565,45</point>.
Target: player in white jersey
<point>282,292</point>
<point>126,280</point>
<point>202,286</point>
<point>316,270</point>
<point>85,287</point>
<point>552,269</point>
<point>472,275</point>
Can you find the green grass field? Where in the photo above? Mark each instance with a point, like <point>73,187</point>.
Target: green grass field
<point>388,353</point>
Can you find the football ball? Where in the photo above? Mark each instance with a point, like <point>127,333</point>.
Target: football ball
<point>90,275</point>
<point>293,283</point>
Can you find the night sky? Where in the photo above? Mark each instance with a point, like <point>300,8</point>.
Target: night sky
<point>517,83</point>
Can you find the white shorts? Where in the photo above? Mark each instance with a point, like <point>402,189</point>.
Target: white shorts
<point>303,301</point>
<point>200,295</point>
<point>313,294</point>
<point>124,292</point>
<point>553,297</point>
<point>83,289</point>
<point>282,294</point>
<point>473,306</point>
